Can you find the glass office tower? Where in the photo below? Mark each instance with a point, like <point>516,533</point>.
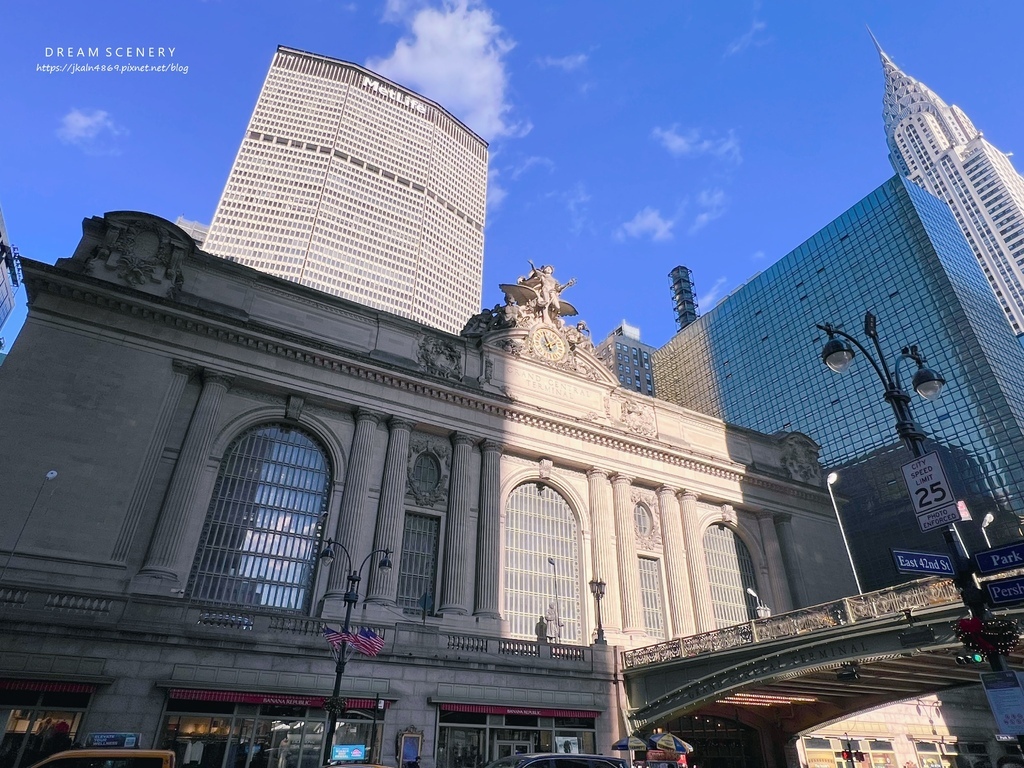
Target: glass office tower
<point>754,360</point>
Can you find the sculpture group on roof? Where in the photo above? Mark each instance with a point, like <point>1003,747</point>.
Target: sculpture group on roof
<point>533,298</point>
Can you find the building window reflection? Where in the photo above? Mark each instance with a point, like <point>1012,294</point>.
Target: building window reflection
<point>262,529</point>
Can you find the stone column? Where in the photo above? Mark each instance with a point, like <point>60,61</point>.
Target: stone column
<point>181,372</point>
<point>488,534</point>
<point>629,568</point>
<point>606,561</point>
<point>383,586</point>
<point>791,556</point>
<point>162,560</point>
<point>357,487</point>
<point>453,579</point>
<point>783,601</point>
<point>700,587</point>
<point>676,567</point>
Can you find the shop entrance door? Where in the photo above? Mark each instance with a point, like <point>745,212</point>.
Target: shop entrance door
<point>508,748</point>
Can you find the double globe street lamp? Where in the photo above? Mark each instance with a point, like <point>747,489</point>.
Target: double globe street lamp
<point>334,705</point>
<point>838,354</point>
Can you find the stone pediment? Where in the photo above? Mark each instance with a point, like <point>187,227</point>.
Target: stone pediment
<point>134,249</point>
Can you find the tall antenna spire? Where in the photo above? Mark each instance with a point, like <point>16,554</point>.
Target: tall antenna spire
<point>881,54</point>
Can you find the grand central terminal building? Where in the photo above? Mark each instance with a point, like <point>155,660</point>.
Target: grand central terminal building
<point>184,437</point>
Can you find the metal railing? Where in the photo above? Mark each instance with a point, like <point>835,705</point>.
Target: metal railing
<point>923,593</point>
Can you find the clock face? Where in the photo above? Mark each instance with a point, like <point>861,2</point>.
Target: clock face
<point>547,344</point>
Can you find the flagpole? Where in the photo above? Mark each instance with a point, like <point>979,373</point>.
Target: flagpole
<point>334,705</point>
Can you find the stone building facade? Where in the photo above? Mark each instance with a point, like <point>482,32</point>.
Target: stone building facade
<point>186,435</point>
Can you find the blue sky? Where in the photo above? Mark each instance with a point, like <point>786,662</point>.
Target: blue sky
<point>625,138</point>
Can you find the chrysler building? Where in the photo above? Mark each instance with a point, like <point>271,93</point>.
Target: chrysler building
<point>937,147</point>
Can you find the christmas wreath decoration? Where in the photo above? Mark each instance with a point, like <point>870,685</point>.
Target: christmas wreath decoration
<point>335,704</point>
<point>993,635</point>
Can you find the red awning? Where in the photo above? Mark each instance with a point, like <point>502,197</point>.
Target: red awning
<point>492,709</point>
<point>46,685</point>
<point>281,699</point>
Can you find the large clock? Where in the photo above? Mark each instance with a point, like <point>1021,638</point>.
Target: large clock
<point>547,344</point>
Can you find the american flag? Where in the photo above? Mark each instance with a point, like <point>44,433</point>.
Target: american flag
<point>366,641</point>
<point>334,637</point>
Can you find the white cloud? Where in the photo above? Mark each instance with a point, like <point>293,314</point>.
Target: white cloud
<point>714,293</point>
<point>576,203</point>
<point>691,143</point>
<point>565,63</point>
<point>92,130</point>
<point>531,162</point>
<point>757,255</point>
<point>647,223</point>
<point>749,38</point>
<point>455,55</point>
<point>713,204</point>
<point>496,193</point>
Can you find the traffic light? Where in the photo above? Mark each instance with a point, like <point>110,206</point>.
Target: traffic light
<point>847,755</point>
<point>858,756</point>
<point>971,657</point>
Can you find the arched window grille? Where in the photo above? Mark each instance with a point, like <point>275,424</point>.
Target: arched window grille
<point>259,544</point>
<point>541,562</point>
<point>731,572</point>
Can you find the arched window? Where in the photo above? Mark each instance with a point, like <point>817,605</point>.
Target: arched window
<point>541,564</point>
<point>731,572</point>
<point>259,544</point>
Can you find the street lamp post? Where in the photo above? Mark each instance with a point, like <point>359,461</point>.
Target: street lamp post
<point>597,587</point>
<point>333,705</point>
<point>831,480</point>
<point>837,354</point>
<point>762,610</point>
<point>985,523</point>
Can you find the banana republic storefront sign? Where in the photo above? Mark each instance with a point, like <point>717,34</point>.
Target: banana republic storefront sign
<point>760,669</point>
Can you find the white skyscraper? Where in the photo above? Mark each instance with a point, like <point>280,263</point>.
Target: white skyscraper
<point>938,148</point>
<point>356,186</point>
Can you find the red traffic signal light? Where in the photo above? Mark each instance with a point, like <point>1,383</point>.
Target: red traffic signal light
<point>847,754</point>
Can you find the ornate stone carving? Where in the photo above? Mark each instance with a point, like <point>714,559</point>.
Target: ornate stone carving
<point>544,467</point>
<point>729,515</point>
<point>440,358</point>
<point>649,539</point>
<point>637,417</point>
<point>514,347</point>
<point>800,457</point>
<point>438,449</point>
<point>294,406</point>
<point>536,297</point>
<point>141,251</point>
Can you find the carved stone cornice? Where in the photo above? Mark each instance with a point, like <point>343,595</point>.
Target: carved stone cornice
<point>461,438</point>
<point>43,278</point>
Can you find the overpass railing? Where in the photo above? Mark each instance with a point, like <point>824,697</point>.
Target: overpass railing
<point>923,593</point>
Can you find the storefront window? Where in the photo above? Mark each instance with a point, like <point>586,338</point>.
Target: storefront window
<point>40,724</point>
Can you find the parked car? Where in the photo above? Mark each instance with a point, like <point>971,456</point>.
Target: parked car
<point>558,760</point>
<point>109,758</point>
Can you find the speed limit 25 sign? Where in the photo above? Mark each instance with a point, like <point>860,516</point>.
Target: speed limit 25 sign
<point>930,493</point>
